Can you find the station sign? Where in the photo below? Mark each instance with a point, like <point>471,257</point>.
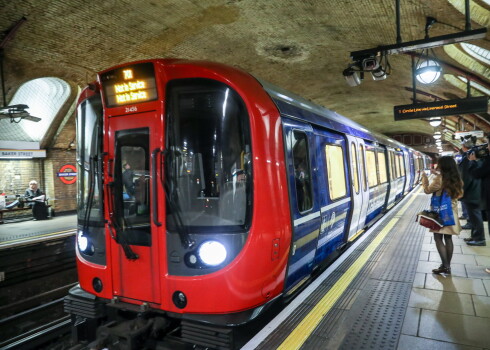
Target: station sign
<point>129,85</point>
<point>441,108</point>
<point>67,174</point>
<point>22,153</point>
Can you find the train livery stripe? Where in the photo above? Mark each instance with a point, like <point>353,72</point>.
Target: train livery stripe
<point>306,218</point>
<point>312,216</point>
<point>333,205</point>
<point>301,333</point>
<point>306,239</point>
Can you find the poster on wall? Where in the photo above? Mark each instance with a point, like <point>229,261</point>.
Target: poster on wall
<point>67,174</point>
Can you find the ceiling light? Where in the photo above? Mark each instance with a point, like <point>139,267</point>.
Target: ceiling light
<point>437,135</point>
<point>428,71</point>
<point>436,121</point>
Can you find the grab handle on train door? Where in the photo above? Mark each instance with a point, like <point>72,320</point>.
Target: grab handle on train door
<point>154,202</point>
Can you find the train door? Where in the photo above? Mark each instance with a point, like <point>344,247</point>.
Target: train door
<point>134,221</point>
<point>305,210</point>
<point>359,188</point>
<point>408,173</point>
<point>392,182</point>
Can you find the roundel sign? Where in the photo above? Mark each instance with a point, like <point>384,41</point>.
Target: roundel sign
<point>68,174</point>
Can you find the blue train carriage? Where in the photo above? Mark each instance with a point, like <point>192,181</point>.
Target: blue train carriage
<point>341,177</point>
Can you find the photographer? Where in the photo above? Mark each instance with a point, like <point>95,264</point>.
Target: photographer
<point>480,168</point>
<point>472,196</point>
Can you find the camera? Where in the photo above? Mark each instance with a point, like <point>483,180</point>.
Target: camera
<point>480,151</point>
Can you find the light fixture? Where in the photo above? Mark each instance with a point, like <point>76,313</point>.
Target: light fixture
<point>436,121</point>
<point>427,68</point>
<point>437,135</point>
<point>428,71</point>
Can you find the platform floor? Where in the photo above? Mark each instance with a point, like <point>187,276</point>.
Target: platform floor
<point>382,294</point>
<point>25,232</point>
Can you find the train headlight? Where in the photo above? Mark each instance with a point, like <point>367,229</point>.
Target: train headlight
<point>212,253</point>
<point>84,245</point>
<point>82,241</point>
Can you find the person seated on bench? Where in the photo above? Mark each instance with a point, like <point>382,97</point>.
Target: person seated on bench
<point>35,198</point>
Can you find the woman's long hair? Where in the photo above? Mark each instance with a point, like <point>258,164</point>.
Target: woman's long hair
<point>451,180</point>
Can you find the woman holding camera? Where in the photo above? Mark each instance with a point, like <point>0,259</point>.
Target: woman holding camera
<point>447,179</point>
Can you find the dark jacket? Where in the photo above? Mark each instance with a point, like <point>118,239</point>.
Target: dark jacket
<point>481,170</point>
<point>31,194</point>
<point>472,185</point>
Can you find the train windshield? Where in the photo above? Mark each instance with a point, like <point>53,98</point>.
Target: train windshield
<point>208,158</point>
<point>89,182</point>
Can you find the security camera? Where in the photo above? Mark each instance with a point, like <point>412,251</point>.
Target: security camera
<point>379,73</point>
<point>352,77</point>
<point>370,63</point>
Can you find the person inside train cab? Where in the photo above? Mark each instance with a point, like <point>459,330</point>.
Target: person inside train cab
<point>35,199</point>
<point>447,179</point>
<point>472,194</point>
<point>127,178</point>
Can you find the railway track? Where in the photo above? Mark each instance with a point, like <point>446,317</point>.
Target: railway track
<point>42,327</point>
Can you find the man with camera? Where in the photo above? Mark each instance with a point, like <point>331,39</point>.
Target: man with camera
<point>472,195</point>
<point>480,168</point>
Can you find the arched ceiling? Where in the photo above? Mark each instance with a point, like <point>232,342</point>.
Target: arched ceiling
<point>302,46</point>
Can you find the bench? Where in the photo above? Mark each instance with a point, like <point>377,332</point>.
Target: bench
<point>2,211</point>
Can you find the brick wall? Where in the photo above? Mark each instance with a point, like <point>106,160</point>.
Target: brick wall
<point>16,174</point>
<point>63,196</point>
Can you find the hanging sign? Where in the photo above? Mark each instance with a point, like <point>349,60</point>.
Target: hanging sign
<point>68,174</point>
<point>477,133</point>
<point>441,108</point>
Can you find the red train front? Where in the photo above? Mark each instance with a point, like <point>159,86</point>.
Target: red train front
<point>176,160</point>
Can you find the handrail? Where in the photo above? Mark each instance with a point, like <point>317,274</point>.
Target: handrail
<point>154,203</point>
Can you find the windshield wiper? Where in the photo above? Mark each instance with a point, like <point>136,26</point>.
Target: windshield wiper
<point>170,186</point>
<point>120,236</point>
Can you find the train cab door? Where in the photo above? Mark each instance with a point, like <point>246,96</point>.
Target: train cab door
<point>359,185</point>
<point>305,210</point>
<point>133,172</point>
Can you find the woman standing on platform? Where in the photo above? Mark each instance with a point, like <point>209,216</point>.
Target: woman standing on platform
<point>447,179</point>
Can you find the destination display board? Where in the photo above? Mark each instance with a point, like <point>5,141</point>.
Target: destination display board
<point>441,108</point>
<point>129,85</point>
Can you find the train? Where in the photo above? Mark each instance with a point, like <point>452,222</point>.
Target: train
<point>206,195</point>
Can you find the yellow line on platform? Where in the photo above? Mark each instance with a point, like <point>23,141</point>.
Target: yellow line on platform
<point>38,236</point>
<point>301,333</point>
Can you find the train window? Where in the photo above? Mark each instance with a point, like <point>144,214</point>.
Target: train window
<point>362,165</point>
<point>382,167</point>
<point>132,185</point>
<point>89,183</point>
<point>355,168</point>
<point>335,171</point>
<point>371,168</point>
<point>391,157</point>
<point>397,166</point>
<point>402,165</point>
<point>208,157</point>
<point>302,174</point>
